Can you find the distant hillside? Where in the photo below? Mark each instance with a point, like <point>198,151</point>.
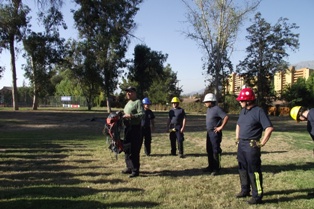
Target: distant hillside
<point>201,91</point>
<point>304,64</point>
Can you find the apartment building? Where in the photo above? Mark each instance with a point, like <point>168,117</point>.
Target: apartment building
<point>234,84</point>
<point>281,79</point>
<point>290,76</point>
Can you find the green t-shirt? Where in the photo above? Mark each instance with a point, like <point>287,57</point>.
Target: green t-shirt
<point>136,109</point>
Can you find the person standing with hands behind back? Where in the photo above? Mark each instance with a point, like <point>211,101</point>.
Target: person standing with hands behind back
<point>216,119</point>
<point>148,125</point>
<point>133,114</point>
<point>250,125</point>
<point>176,124</point>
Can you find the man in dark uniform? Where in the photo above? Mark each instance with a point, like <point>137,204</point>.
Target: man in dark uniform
<point>216,119</point>
<point>300,113</point>
<point>148,125</point>
<point>176,124</point>
<point>251,123</point>
<point>133,114</point>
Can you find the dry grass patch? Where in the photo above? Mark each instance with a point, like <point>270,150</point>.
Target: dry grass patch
<point>61,160</point>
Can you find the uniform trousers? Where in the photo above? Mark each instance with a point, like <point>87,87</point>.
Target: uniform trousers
<point>213,148</point>
<point>249,165</point>
<point>147,138</point>
<point>176,137</point>
<point>131,146</point>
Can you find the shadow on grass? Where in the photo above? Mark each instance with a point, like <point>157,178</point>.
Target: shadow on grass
<point>55,192</point>
<point>188,172</point>
<point>288,167</point>
<point>60,203</point>
<point>288,192</point>
<point>273,169</point>
<point>53,197</point>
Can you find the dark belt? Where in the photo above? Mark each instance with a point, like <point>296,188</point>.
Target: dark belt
<point>249,139</point>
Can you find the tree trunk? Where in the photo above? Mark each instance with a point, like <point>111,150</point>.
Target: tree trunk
<point>89,103</point>
<point>108,103</point>
<point>217,76</point>
<point>35,101</point>
<point>35,96</point>
<point>13,68</point>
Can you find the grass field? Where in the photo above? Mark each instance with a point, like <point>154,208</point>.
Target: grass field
<point>60,159</point>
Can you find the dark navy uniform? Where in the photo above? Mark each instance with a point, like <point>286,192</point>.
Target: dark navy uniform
<point>214,117</point>
<point>146,130</point>
<point>251,124</point>
<point>310,123</point>
<point>176,117</point>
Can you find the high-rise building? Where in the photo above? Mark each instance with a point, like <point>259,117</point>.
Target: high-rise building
<point>290,76</point>
<point>281,79</point>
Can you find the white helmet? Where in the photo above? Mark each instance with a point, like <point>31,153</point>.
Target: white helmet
<point>210,97</point>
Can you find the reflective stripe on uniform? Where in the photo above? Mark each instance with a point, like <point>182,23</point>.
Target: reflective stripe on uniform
<point>258,184</point>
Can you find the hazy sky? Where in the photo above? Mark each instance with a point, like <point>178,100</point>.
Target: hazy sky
<point>160,24</point>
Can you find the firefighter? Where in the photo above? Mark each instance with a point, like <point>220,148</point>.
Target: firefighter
<point>133,114</point>
<point>216,119</point>
<point>251,123</point>
<point>300,113</point>
<point>176,124</point>
<point>148,126</point>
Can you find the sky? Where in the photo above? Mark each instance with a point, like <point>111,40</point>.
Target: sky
<point>160,26</point>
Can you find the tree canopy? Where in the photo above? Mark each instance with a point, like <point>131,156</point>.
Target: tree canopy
<point>265,54</point>
<point>43,51</point>
<point>106,26</point>
<point>146,67</point>
<point>215,25</point>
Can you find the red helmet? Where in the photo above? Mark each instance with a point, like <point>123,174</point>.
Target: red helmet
<point>246,94</point>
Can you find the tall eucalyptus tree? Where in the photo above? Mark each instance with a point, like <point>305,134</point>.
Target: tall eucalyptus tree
<point>106,27</point>
<point>43,51</point>
<point>13,25</point>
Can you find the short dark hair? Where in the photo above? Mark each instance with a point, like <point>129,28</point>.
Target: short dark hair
<point>130,88</point>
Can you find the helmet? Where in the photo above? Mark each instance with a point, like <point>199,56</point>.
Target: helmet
<point>294,112</point>
<point>210,97</point>
<point>246,94</point>
<point>146,101</point>
<point>175,100</point>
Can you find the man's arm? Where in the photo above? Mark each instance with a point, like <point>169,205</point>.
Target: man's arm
<point>267,135</point>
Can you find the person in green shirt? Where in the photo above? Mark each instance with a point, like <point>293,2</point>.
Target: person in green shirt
<point>133,114</point>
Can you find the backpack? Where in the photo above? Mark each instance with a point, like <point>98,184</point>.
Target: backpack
<point>114,128</point>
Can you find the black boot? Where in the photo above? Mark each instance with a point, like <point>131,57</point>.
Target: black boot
<point>245,184</point>
<point>180,148</point>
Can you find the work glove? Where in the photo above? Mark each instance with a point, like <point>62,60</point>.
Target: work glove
<point>172,130</point>
<point>255,143</point>
<point>237,140</point>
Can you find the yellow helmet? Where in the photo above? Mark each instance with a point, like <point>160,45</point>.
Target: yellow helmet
<point>294,113</point>
<point>175,100</point>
